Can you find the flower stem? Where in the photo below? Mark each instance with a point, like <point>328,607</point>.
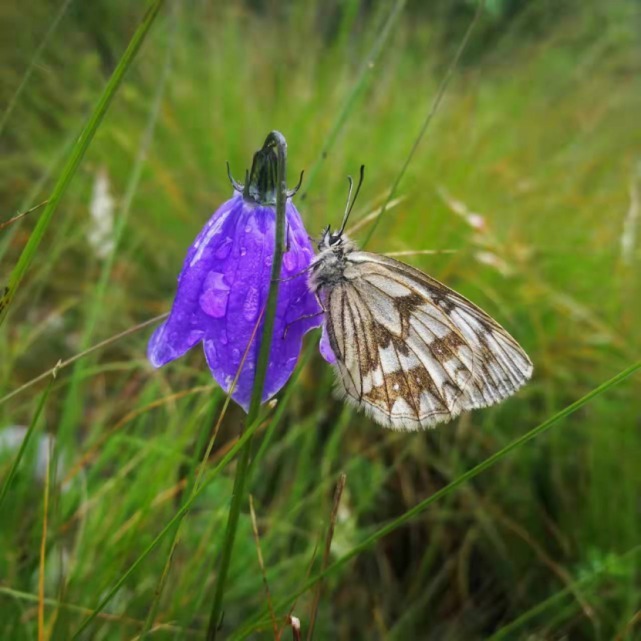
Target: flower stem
<point>274,140</point>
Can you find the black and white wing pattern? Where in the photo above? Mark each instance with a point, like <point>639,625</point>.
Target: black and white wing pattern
<point>412,352</point>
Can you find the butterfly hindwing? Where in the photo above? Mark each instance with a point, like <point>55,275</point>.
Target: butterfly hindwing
<point>412,352</point>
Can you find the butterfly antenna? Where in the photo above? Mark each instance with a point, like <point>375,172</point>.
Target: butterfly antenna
<point>350,201</point>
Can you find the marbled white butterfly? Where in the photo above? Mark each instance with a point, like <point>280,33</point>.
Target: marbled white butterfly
<point>409,351</point>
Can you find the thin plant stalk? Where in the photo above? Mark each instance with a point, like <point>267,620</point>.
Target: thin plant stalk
<point>94,348</point>
<point>25,441</point>
<point>277,140</point>
<point>420,507</point>
<point>263,571</point>
<point>43,548</point>
<point>35,59</point>
<point>21,215</point>
<point>428,119</point>
<point>338,493</point>
<point>73,161</point>
<point>358,86</point>
<point>177,517</point>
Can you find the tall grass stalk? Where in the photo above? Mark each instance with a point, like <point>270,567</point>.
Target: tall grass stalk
<point>72,359</point>
<point>275,140</point>
<point>33,63</point>
<point>169,527</point>
<point>76,155</point>
<point>428,119</point>
<point>357,88</point>
<point>445,491</point>
<point>43,544</point>
<point>25,441</point>
<point>508,630</point>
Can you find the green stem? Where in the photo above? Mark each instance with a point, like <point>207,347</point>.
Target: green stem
<point>33,64</point>
<point>274,140</point>
<point>410,514</point>
<point>428,119</point>
<point>25,441</point>
<point>77,153</point>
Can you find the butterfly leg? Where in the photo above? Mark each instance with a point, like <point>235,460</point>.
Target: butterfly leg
<point>288,244</point>
<point>295,276</point>
<point>306,316</point>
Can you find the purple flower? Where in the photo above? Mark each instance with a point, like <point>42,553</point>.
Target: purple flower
<point>223,288</point>
<point>325,348</point>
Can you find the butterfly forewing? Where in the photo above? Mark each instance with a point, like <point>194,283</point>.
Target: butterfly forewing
<point>412,352</point>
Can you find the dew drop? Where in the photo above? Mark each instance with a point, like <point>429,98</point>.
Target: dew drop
<point>212,354</point>
<point>224,248</point>
<point>213,301</point>
<point>243,251</point>
<point>290,262</point>
<point>251,304</point>
<point>194,336</point>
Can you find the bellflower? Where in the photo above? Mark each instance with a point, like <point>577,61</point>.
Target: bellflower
<point>224,284</point>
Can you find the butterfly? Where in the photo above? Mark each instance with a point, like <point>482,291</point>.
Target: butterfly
<point>409,351</point>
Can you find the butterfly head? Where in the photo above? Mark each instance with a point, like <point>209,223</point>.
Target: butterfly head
<point>338,241</point>
<point>330,239</point>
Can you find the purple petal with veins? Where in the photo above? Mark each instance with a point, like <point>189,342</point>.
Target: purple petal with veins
<point>325,348</point>
<point>223,289</point>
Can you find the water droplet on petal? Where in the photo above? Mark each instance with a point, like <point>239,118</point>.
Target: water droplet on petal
<point>243,251</point>
<point>251,304</point>
<point>213,301</point>
<point>194,336</point>
<point>222,337</point>
<point>224,248</point>
<point>290,262</point>
<point>235,354</point>
<point>269,260</point>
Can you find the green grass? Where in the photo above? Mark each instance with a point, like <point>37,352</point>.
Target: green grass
<point>538,133</point>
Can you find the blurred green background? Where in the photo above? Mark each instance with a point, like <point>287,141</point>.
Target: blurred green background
<point>530,170</point>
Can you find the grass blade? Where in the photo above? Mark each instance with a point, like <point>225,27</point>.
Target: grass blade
<point>358,87</point>
<point>428,119</point>
<point>25,441</point>
<point>76,155</point>
<point>275,140</point>
<point>79,355</point>
<point>448,489</point>
<point>43,549</point>
<point>507,630</point>
<point>161,535</point>
<point>33,63</point>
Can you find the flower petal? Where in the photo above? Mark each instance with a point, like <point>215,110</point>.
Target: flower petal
<point>247,273</point>
<point>223,289</point>
<point>325,348</point>
<point>187,321</point>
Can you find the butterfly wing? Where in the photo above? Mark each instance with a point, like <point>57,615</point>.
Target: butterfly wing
<point>412,352</point>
